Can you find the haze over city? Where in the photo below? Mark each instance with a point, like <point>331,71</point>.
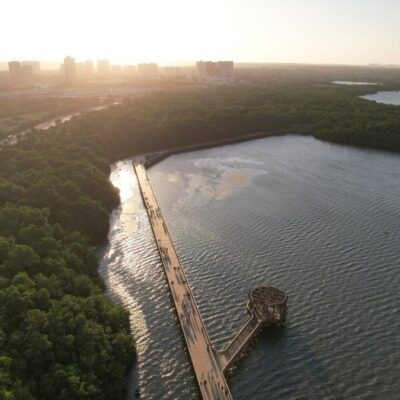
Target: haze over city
<point>178,32</point>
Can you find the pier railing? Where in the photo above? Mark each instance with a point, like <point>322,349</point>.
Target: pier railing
<point>236,345</point>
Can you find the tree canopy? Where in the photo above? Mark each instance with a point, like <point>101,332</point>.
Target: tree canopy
<point>60,337</point>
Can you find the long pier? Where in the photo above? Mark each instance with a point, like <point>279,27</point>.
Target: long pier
<point>209,365</point>
<point>205,361</point>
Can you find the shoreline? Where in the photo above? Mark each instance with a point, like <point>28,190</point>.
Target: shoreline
<point>151,159</point>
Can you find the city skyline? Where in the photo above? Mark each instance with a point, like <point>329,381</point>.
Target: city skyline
<point>72,71</point>
<point>349,32</point>
<point>46,65</point>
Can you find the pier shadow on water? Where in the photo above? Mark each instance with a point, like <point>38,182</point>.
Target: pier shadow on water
<point>285,366</point>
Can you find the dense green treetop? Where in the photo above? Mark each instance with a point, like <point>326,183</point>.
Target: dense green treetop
<point>167,119</point>
<point>60,337</point>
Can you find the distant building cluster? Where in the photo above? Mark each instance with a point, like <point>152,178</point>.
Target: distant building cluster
<point>23,72</point>
<point>104,69</point>
<point>148,69</point>
<point>222,69</point>
<point>71,71</point>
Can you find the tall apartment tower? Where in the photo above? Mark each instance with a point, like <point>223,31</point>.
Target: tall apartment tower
<point>223,69</point>
<point>20,73</point>
<point>148,69</point>
<point>69,69</point>
<point>103,67</point>
<point>80,69</point>
<point>14,68</point>
<point>129,70</point>
<point>34,64</point>
<point>26,74</point>
<point>116,69</point>
<point>88,67</point>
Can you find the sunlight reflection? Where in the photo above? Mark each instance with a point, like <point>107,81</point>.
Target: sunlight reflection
<point>122,179</point>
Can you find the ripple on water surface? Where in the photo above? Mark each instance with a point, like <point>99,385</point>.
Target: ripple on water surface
<point>317,220</point>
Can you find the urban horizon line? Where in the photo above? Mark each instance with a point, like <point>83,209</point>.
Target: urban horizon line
<point>51,65</point>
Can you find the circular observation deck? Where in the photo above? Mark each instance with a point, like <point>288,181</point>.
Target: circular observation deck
<point>268,304</point>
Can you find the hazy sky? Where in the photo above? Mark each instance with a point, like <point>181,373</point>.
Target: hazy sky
<point>131,31</point>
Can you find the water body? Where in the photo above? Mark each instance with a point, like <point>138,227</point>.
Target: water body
<point>43,126</point>
<point>320,221</point>
<point>385,97</point>
<point>53,122</point>
<point>353,83</point>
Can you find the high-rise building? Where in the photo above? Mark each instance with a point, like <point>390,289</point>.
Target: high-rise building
<point>20,72</point>
<point>15,71</point>
<point>35,66</point>
<point>88,67</point>
<point>26,74</point>
<point>129,70</point>
<point>172,71</point>
<point>225,68</point>
<point>209,68</point>
<point>80,69</point>
<point>116,69</point>
<point>69,69</point>
<point>103,67</point>
<point>147,69</point>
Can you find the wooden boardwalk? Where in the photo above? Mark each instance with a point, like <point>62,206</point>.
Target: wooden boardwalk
<point>208,364</point>
<point>229,354</point>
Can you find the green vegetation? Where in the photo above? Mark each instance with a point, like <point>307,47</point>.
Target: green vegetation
<point>60,337</point>
<point>17,122</point>
<point>321,74</point>
<point>170,119</point>
<point>20,112</point>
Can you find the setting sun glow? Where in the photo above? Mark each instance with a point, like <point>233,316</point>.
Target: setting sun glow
<point>131,31</point>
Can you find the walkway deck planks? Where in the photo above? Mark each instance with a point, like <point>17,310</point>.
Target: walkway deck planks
<point>207,363</point>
